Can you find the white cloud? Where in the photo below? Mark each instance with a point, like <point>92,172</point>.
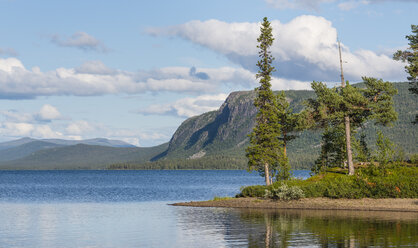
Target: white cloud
<point>49,112</point>
<point>9,65</point>
<point>45,132</point>
<point>11,129</point>
<point>36,125</point>
<point>284,84</point>
<point>305,48</point>
<point>187,107</point>
<point>16,129</point>
<point>80,40</point>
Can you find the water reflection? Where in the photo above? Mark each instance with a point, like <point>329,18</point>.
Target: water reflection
<point>296,228</point>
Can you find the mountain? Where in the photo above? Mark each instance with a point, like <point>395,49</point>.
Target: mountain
<point>20,148</point>
<point>82,156</point>
<point>25,149</point>
<point>14,143</point>
<point>94,142</point>
<point>222,134</point>
<point>97,142</point>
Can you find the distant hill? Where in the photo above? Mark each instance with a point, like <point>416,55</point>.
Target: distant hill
<point>25,149</point>
<point>82,156</point>
<point>94,142</point>
<point>14,143</point>
<point>97,142</point>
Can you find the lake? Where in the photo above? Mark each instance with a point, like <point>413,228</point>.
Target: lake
<point>130,209</point>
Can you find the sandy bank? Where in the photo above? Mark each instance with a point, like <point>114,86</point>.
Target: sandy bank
<point>402,205</point>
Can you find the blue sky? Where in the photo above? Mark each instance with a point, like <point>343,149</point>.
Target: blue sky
<point>134,70</point>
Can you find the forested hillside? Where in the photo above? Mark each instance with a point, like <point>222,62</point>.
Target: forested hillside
<point>82,156</point>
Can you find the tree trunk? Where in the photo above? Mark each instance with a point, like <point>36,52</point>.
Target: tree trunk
<point>284,144</point>
<point>347,123</point>
<point>267,174</point>
<point>348,144</point>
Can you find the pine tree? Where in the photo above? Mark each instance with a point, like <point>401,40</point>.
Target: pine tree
<point>265,148</point>
<point>332,106</point>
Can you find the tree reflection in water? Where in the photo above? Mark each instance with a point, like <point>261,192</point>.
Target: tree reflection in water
<point>290,228</point>
<point>302,228</point>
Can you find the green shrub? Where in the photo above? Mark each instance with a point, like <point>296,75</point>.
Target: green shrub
<point>253,191</point>
<point>284,192</point>
<point>396,181</point>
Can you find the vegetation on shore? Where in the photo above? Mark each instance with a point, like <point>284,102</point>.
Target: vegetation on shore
<point>396,180</point>
<point>214,162</point>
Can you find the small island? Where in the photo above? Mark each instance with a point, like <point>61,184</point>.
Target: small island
<point>367,190</point>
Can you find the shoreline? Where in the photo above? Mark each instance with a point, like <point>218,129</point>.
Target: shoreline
<point>319,203</point>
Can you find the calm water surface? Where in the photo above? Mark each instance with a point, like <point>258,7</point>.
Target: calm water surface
<point>129,209</point>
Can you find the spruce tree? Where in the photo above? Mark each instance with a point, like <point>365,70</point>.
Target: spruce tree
<point>265,148</point>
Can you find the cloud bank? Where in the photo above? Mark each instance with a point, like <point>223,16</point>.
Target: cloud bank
<point>305,48</point>
<point>94,78</point>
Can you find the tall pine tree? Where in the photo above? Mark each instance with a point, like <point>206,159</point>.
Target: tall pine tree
<point>265,148</point>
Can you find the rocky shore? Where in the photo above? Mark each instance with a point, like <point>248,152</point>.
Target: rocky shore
<point>366,204</point>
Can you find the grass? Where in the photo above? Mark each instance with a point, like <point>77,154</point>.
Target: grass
<point>219,198</point>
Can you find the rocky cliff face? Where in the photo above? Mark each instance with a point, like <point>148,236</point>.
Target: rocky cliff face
<point>217,131</point>
<point>224,131</point>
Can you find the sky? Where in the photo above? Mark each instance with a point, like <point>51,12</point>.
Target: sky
<point>135,70</point>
